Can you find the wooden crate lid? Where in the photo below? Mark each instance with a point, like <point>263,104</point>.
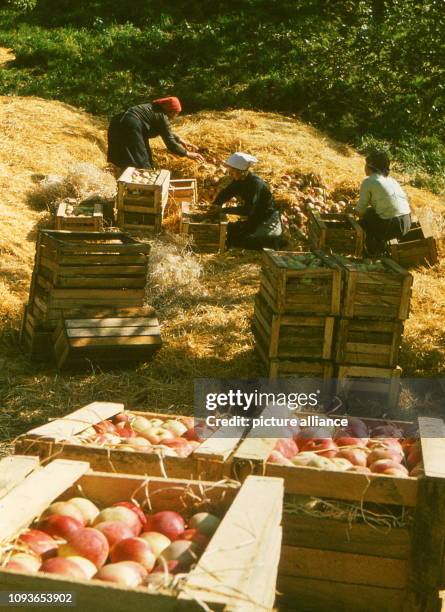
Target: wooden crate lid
<point>64,240</point>
<point>281,260</point>
<point>14,469</point>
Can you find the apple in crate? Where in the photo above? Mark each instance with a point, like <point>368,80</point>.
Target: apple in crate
<point>120,573</point>
<point>89,543</point>
<point>64,509</point>
<point>24,562</point>
<point>63,567</point>
<point>86,507</point>
<point>39,542</point>
<point>356,456</point>
<point>287,447</point>
<point>384,453</point>
<point>325,447</point>
<point>278,458</point>
<point>88,568</point>
<point>114,531</point>
<point>157,541</point>
<point>176,427</point>
<point>167,522</point>
<point>382,465</point>
<point>59,526</point>
<point>205,523</point>
<point>134,549</point>
<point>120,513</point>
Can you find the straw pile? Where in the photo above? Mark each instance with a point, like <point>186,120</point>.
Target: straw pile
<point>206,324</point>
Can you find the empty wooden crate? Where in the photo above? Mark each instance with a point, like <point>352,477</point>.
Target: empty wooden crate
<point>206,235</point>
<point>76,436</point>
<point>184,190</point>
<point>337,232</point>
<point>236,570</point>
<point>304,283</point>
<point>80,217</point>
<point>417,248</point>
<point>106,339</point>
<point>141,198</point>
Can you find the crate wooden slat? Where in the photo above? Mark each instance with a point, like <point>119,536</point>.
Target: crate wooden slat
<point>35,339</point>
<point>14,469</point>
<point>184,190</point>
<point>341,563</point>
<point>410,252</point>
<point>207,236</point>
<point>368,342</point>
<point>210,460</point>
<point>362,383</point>
<point>336,232</point>
<point>92,222</point>
<point>314,291</point>
<point>292,336</point>
<point>141,206</point>
<point>381,294</point>
<point>226,576</point>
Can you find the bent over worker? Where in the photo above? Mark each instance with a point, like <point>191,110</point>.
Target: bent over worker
<point>383,206</point>
<point>129,133</point>
<point>263,225</point>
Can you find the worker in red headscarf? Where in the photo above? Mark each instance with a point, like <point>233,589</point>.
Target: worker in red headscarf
<point>129,133</point>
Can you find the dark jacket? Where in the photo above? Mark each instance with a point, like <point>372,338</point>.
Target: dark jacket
<point>258,203</point>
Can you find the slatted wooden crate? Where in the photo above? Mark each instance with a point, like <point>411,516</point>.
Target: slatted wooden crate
<point>84,217</point>
<point>237,571</point>
<point>207,236</point>
<point>417,248</point>
<point>359,385</point>
<point>36,336</point>
<point>337,232</point>
<point>211,460</point>
<point>184,190</point>
<point>314,291</point>
<point>106,340</point>
<point>382,293</point>
<point>332,563</point>
<point>140,206</point>
<point>368,342</point>
<point>292,336</point>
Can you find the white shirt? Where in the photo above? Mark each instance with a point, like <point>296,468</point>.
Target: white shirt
<point>385,195</point>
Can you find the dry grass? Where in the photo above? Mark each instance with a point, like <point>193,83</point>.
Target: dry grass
<point>205,323</point>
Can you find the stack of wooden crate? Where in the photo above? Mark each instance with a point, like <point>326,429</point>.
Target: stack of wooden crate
<point>294,313</point>
<point>336,232</point>
<point>75,270</point>
<point>208,236</point>
<point>375,303</point>
<point>141,199</point>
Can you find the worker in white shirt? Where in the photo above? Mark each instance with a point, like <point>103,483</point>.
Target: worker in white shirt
<point>383,206</point>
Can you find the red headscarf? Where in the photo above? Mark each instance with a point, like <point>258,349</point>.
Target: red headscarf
<point>169,104</point>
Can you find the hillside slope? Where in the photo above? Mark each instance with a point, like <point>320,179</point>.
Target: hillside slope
<point>206,335</point>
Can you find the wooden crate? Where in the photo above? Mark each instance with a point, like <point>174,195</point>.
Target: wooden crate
<point>292,336</point>
<point>87,222</point>
<point>207,236</point>
<point>75,269</point>
<point>184,190</point>
<point>332,564</point>
<point>337,232</point>
<point>14,469</point>
<point>210,461</point>
<point>368,342</point>
<point>106,340</point>
<point>237,571</point>
<point>379,294</point>
<point>35,337</point>
<point>314,291</point>
<point>417,248</point>
<point>141,206</point>
<point>361,384</point>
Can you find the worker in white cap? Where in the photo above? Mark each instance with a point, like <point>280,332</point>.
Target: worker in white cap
<point>263,225</point>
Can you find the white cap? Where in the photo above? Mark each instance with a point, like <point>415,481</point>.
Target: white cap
<point>240,161</point>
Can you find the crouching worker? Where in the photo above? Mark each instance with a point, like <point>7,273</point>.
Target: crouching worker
<point>129,135</point>
<point>263,225</point>
<point>383,207</point>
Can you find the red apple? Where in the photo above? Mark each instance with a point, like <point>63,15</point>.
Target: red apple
<point>308,433</point>
<point>135,508</point>
<point>395,472</point>
<point>157,541</point>
<point>205,523</point>
<point>59,526</point>
<point>278,458</point>
<point>124,430</point>
<point>121,513</point>
<point>383,453</point>
<point>86,507</point>
<point>170,524</point>
<point>175,426</point>
<point>64,508</point>
<point>105,427</point>
<point>192,434</point>
<point>114,531</point>
<point>88,568</point>
<point>350,441</point>
<point>39,542</point>
<point>286,447</point>
<point>134,549</point>
<point>414,456</point>
<point>357,456</point>
<point>325,447</point>
<point>24,562</point>
<point>123,417</point>
<point>89,543</point>
<point>120,573</point>
<point>63,567</point>
<point>181,446</point>
<point>382,465</point>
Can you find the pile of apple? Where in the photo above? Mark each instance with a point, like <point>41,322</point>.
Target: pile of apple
<point>173,437</point>
<point>119,544</point>
<point>381,450</point>
<point>144,177</point>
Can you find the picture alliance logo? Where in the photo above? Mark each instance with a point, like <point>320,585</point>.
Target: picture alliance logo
<point>245,401</point>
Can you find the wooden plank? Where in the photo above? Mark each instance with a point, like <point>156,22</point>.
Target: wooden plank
<point>102,270</point>
<point>102,260</point>
<point>75,422</point>
<point>225,572</point>
<point>111,322</point>
<point>343,567</point>
<point>32,496</point>
<point>110,332</point>
<point>14,469</point>
<point>98,282</point>
<point>152,338</point>
<point>91,294</point>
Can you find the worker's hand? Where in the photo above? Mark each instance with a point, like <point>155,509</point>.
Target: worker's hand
<point>188,145</point>
<point>195,156</point>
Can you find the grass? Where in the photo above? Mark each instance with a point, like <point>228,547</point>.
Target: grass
<point>206,323</point>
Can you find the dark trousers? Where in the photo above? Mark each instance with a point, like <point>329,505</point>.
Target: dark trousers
<point>379,231</point>
<point>240,234</point>
<point>126,143</point>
